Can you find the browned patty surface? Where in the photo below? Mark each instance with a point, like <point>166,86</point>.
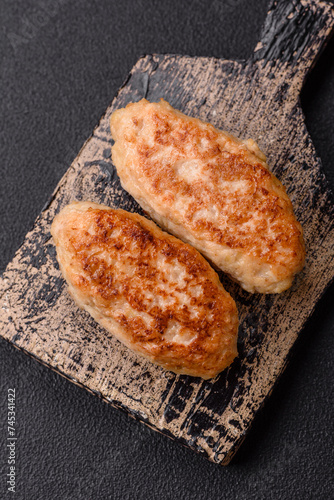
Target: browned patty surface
<point>155,293</point>
<point>212,191</point>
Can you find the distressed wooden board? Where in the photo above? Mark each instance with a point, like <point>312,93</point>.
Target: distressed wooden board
<point>258,98</point>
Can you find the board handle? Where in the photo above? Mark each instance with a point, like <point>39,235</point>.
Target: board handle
<point>294,33</point>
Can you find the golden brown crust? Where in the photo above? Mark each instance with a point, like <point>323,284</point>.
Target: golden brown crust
<point>156,294</point>
<point>212,191</point>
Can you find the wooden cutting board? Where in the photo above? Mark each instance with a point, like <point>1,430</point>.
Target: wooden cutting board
<point>258,98</point>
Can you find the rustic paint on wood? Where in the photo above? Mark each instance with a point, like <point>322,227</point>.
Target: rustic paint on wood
<point>258,98</point>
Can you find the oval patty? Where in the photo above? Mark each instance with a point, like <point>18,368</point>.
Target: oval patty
<point>155,293</point>
<point>212,191</point>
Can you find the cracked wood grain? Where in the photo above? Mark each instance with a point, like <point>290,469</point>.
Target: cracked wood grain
<point>258,98</point>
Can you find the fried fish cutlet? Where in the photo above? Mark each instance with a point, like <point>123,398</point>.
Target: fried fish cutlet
<point>155,293</point>
<point>210,190</point>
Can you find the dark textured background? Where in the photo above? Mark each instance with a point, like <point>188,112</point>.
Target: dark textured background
<point>61,64</point>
